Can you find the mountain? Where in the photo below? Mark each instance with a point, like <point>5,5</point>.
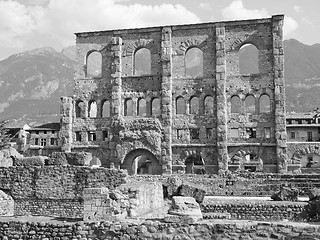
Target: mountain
<point>302,76</point>
<point>32,82</point>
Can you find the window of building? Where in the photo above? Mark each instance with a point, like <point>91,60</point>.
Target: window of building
<point>251,132</point>
<point>234,132</point>
<point>299,121</point>
<point>209,133</point>
<point>128,107</point>
<point>142,62</point>
<point>79,109</point>
<point>289,121</point>
<point>194,133</point>
<point>292,135</point>
<point>309,161</point>
<point>43,142</point>
<point>37,132</point>
<point>180,105</point>
<point>36,141</point>
<point>92,136</point>
<point>194,105</point>
<point>155,107</point>
<point>235,104</point>
<point>142,107</point>
<point>208,105</point>
<point>309,135</point>
<point>105,110</point>
<point>52,141</point>
<point>94,64</point>
<point>44,132</point>
<point>92,109</point>
<point>248,59</point>
<point>179,133</point>
<point>264,102</point>
<point>105,135</point>
<point>267,132</point>
<point>53,132</point>
<point>250,104</point>
<point>194,63</point>
<point>78,136</point>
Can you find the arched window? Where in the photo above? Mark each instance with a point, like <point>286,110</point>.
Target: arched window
<point>128,107</point>
<point>248,59</point>
<point>142,107</point>
<point>208,105</point>
<point>94,64</point>
<point>92,109</point>
<point>155,106</point>
<point>264,103</point>
<point>79,109</point>
<point>105,110</point>
<point>235,104</point>
<point>194,63</point>
<point>250,104</point>
<point>194,105</point>
<point>180,105</point>
<point>142,62</point>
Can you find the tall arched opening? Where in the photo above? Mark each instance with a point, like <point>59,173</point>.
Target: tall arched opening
<point>141,161</point>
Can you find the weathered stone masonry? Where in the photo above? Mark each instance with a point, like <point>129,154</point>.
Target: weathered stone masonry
<point>169,138</point>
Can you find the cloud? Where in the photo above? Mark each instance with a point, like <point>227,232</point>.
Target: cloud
<point>297,8</point>
<point>206,6</point>
<point>236,11</point>
<point>289,26</point>
<point>54,21</point>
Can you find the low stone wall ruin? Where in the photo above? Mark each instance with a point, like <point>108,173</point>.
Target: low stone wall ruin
<point>158,230</point>
<point>55,190</point>
<point>243,184</point>
<point>129,200</point>
<point>257,210</point>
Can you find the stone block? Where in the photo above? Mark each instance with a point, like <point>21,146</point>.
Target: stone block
<point>171,186</point>
<point>314,194</point>
<point>185,206</point>
<point>79,158</point>
<point>192,190</point>
<point>286,194</point>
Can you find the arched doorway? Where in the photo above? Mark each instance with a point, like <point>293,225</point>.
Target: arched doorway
<point>195,164</point>
<point>141,161</point>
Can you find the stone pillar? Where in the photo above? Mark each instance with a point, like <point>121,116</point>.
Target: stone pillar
<point>66,119</point>
<point>166,101</point>
<point>279,93</point>
<point>221,99</point>
<point>116,49</point>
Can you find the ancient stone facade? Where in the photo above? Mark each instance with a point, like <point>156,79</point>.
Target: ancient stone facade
<point>173,99</point>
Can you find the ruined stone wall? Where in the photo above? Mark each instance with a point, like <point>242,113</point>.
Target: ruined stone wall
<point>159,230</point>
<point>131,200</point>
<point>166,132</point>
<point>256,210</point>
<point>54,190</point>
<point>244,184</point>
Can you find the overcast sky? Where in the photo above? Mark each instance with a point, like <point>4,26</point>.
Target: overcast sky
<point>29,24</point>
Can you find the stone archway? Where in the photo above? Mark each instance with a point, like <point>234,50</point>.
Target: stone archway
<point>307,157</point>
<point>247,160</point>
<point>195,164</point>
<point>141,161</point>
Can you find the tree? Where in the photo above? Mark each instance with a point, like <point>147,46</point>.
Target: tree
<point>4,135</point>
